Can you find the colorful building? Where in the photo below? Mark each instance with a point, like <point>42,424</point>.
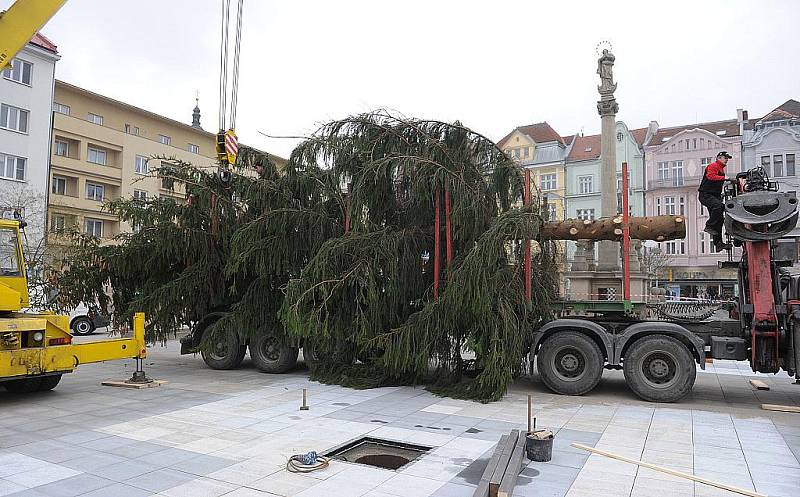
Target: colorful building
<point>539,148</point>
<point>675,159</point>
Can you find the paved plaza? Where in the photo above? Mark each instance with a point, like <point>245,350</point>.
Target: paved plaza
<point>213,433</point>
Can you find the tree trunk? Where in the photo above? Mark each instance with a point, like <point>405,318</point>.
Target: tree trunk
<point>658,228</point>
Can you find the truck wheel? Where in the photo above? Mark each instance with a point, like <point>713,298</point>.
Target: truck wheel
<point>23,385</point>
<point>570,363</point>
<point>271,356</point>
<point>659,369</point>
<point>49,382</point>
<point>82,326</point>
<point>223,351</point>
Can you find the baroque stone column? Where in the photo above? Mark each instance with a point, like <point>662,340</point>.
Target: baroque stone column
<point>607,108</point>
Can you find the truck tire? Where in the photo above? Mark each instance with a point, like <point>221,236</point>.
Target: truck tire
<point>224,351</point>
<point>659,368</point>
<point>23,385</point>
<point>570,363</point>
<point>271,356</point>
<point>49,382</point>
<point>82,326</point>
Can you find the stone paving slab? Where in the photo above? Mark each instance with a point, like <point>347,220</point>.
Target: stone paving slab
<point>229,433</point>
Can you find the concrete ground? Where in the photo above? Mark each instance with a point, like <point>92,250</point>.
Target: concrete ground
<point>212,433</point>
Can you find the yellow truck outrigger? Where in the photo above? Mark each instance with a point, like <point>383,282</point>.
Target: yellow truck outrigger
<point>36,349</point>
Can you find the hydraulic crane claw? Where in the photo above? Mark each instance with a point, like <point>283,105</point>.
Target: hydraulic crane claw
<point>756,216</point>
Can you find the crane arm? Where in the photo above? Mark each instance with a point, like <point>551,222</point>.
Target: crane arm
<point>20,22</point>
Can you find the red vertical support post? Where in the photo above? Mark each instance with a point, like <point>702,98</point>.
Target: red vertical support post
<point>626,237</point>
<point>448,229</point>
<point>436,244</point>
<point>527,262</point>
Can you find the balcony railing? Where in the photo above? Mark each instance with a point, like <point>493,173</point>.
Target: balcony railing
<point>673,182</point>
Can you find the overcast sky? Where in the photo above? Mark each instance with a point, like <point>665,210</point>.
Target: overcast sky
<point>492,65</point>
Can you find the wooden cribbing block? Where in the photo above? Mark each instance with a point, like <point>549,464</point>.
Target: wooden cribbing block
<point>483,484</point>
<point>759,385</point>
<point>776,407</point>
<point>502,463</point>
<point>514,467</point>
<point>669,471</point>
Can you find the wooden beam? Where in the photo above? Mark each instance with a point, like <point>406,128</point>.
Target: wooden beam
<point>483,484</point>
<point>776,407</point>
<point>502,463</point>
<point>759,385</point>
<point>509,480</point>
<point>669,471</point>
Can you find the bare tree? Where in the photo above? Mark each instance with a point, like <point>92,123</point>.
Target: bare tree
<point>18,200</point>
<point>654,260</point>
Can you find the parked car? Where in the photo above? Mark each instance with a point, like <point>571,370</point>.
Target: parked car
<point>82,322</point>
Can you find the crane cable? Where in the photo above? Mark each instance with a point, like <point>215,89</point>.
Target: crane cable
<point>235,80</point>
<point>223,64</point>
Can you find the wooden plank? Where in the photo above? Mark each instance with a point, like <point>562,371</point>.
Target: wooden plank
<point>502,463</point>
<point>776,407</point>
<point>483,484</point>
<point>669,471</point>
<point>514,467</point>
<point>759,385</point>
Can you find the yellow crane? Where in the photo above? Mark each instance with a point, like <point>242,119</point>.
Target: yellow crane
<point>37,349</point>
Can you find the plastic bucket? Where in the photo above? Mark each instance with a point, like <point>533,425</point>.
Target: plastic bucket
<point>539,449</point>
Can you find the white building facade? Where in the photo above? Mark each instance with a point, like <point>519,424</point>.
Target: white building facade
<point>26,100</point>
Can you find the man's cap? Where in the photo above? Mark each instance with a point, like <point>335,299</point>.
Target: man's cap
<point>725,154</point>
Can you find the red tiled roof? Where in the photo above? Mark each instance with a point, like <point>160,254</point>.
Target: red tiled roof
<point>585,147</point>
<point>539,133</point>
<point>639,135</point>
<point>42,41</point>
<point>729,126</point>
<point>568,139</point>
<point>788,110</point>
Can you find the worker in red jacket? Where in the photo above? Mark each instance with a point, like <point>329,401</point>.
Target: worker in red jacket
<point>710,195</point>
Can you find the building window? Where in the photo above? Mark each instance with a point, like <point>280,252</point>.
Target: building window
<point>141,166</point>
<point>140,195</point>
<point>669,205</point>
<point>551,211</point>
<point>677,173</point>
<point>607,293</point>
<point>516,152</point>
<point>62,148</point>
<point>702,241</point>
<point>673,148</point>
<point>12,167</point>
<point>694,143</point>
<point>619,136</point>
<point>777,164</point>
<point>94,118</point>
<point>61,108</point>
<point>548,182</point>
<point>13,118</point>
<point>681,206</point>
<point>164,139</point>
<point>585,214</point>
<point>58,222</point>
<point>658,206</point>
<point>687,144</point>
<point>765,163</point>
<point>95,191</point>
<point>59,186</point>
<point>675,248</point>
<point>97,156</point>
<point>586,184</point>
<point>663,170</point>
<point>93,227</point>
<point>19,70</point>
<point>196,150</point>
<point>790,165</point>
<point>127,128</point>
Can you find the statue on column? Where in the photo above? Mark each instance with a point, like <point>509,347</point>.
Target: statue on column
<point>605,68</point>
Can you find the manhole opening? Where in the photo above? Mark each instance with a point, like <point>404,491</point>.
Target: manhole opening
<point>377,452</point>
